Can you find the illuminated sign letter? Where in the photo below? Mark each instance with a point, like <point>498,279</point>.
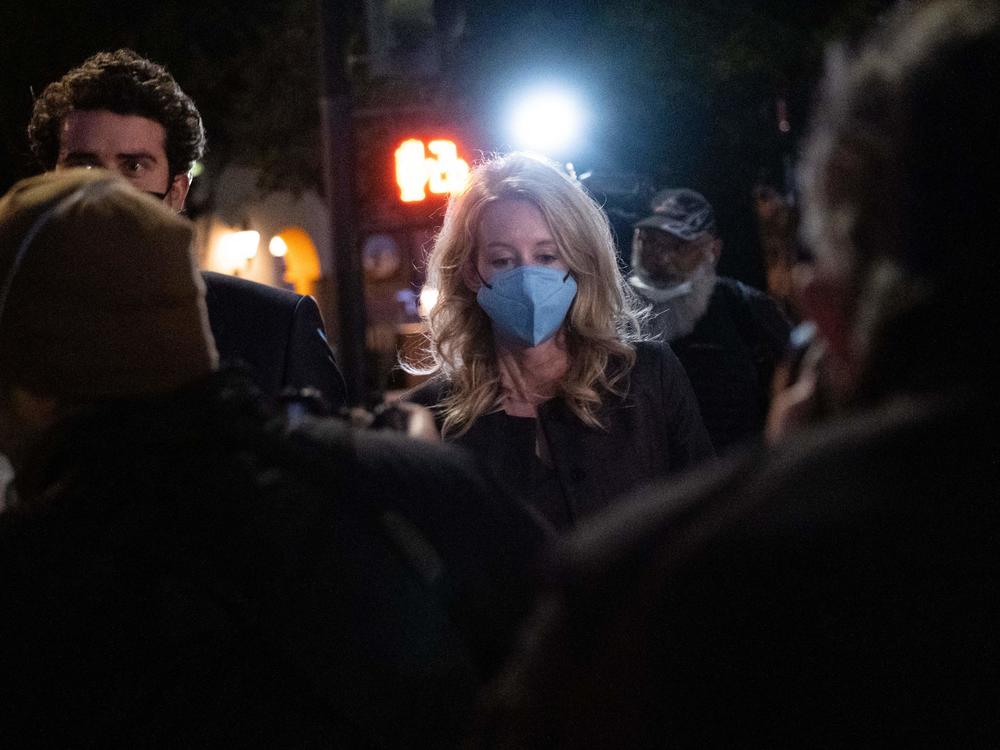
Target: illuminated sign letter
<point>411,171</point>
<point>441,173</point>
<point>446,172</point>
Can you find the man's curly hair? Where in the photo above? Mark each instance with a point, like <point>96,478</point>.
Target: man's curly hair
<point>125,83</point>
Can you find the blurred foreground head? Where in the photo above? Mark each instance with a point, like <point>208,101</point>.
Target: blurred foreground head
<point>900,198</point>
<point>99,295</point>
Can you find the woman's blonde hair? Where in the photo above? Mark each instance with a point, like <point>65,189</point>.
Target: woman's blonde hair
<point>601,326</point>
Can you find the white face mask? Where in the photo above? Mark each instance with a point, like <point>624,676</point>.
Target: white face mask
<point>656,291</point>
<point>679,307</point>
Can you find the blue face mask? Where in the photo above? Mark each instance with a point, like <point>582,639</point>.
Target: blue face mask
<point>528,303</point>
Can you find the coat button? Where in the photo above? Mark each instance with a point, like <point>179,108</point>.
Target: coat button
<point>578,475</point>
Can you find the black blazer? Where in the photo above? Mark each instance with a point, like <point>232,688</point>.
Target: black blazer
<point>278,334</point>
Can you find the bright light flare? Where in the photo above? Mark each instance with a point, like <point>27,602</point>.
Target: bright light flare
<point>441,173</point>
<point>277,246</point>
<point>446,173</point>
<point>411,171</point>
<point>235,249</point>
<point>428,298</point>
<point>547,120</point>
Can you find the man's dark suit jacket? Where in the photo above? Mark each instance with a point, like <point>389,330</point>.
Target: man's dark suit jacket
<point>278,334</point>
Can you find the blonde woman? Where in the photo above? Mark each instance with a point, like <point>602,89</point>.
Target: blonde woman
<point>534,339</point>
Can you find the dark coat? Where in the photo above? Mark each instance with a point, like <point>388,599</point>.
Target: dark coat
<point>655,430</point>
<point>730,357</point>
<point>185,572</point>
<point>839,592</point>
<point>277,334</point>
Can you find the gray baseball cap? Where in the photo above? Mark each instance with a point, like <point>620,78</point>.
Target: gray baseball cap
<point>682,212</point>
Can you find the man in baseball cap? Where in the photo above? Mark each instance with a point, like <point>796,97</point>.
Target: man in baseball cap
<point>728,335</point>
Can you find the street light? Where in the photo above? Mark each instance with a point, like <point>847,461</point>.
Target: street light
<point>547,120</point>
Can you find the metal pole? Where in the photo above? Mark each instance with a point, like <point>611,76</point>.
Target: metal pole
<point>337,126</point>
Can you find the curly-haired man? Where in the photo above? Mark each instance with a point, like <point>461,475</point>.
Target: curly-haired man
<point>124,113</point>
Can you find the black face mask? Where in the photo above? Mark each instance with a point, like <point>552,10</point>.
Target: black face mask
<point>162,197</point>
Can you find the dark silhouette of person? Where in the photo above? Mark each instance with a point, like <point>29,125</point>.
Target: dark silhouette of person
<point>183,564</point>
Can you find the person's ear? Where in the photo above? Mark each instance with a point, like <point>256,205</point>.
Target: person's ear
<point>178,191</point>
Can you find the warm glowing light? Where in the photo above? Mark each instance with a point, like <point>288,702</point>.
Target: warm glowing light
<point>277,246</point>
<point>441,173</point>
<point>246,242</point>
<point>301,259</point>
<point>547,120</point>
<point>411,172</point>
<point>446,173</point>
<point>428,298</point>
<point>235,249</point>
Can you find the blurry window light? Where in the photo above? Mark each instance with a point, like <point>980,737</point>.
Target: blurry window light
<point>301,260</point>
<point>235,249</point>
<point>277,246</point>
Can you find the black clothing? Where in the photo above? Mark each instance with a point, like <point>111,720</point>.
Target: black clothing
<point>276,333</point>
<point>653,431</point>
<point>187,572</point>
<point>730,357</point>
<point>838,592</point>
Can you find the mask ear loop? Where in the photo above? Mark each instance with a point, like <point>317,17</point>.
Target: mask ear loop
<point>485,283</point>
<point>29,237</point>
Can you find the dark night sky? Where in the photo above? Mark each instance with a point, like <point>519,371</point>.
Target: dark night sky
<point>683,92</point>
